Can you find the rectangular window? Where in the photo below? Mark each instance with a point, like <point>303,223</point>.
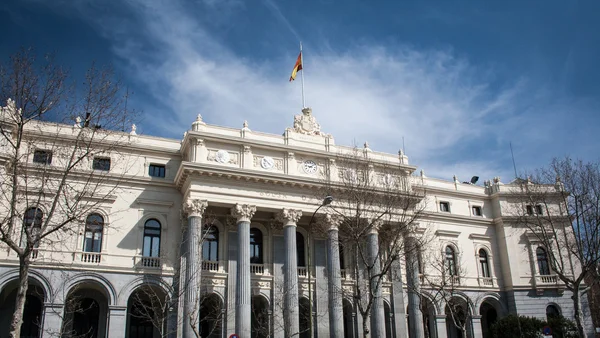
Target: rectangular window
<point>101,163</point>
<point>42,156</point>
<point>156,170</point>
<point>476,210</point>
<point>529,209</point>
<point>445,206</point>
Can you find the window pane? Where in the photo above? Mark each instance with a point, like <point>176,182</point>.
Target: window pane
<point>146,248</point>
<point>101,163</point>
<point>42,156</point>
<point>156,170</point>
<point>155,247</point>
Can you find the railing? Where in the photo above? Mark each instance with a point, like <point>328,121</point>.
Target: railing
<point>302,271</point>
<point>90,257</point>
<point>546,279</point>
<point>343,273</point>
<point>210,266</point>
<point>257,269</point>
<point>148,262</point>
<point>486,281</point>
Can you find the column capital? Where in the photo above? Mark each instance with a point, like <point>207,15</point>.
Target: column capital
<point>375,224</point>
<point>243,212</point>
<point>331,220</point>
<point>289,216</point>
<point>194,207</point>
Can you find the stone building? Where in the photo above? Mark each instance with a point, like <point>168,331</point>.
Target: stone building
<point>252,195</point>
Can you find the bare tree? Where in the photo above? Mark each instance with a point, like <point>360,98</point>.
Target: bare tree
<point>48,186</point>
<point>560,207</point>
<point>378,207</point>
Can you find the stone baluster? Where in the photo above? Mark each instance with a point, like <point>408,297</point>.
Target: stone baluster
<point>336,310</point>
<point>377,312</point>
<point>413,285</point>
<point>243,310</point>
<point>194,208</point>
<point>289,218</point>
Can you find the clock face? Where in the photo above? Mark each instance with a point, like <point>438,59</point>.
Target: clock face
<point>310,167</point>
<point>267,162</point>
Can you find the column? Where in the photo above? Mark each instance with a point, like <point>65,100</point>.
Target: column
<point>377,311</point>
<point>334,278</point>
<point>193,251</point>
<point>440,325</point>
<point>243,309</point>
<point>413,287</point>
<point>289,218</point>
<point>53,316</point>
<point>476,326</point>
<point>117,321</point>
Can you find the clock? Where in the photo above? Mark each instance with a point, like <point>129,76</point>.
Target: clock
<point>310,167</point>
<point>267,162</point>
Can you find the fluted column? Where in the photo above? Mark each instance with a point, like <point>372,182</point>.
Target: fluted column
<point>334,278</point>
<point>243,310</point>
<point>377,312</point>
<point>289,218</point>
<point>413,286</point>
<point>193,267</point>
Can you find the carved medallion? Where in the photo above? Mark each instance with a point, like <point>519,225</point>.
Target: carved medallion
<point>267,162</point>
<point>222,156</point>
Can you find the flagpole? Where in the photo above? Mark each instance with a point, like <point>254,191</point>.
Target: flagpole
<point>302,63</point>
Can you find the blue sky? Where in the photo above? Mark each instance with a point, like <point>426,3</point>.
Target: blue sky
<point>458,80</point>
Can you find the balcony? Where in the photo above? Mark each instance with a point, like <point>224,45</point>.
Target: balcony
<point>212,266</point>
<point>486,281</point>
<point>302,271</point>
<point>343,273</point>
<point>147,262</point>
<point>545,282</point>
<point>257,269</point>
<point>87,257</point>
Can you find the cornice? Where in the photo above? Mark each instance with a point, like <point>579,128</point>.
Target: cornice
<point>455,193</point>
<point>450,218</point>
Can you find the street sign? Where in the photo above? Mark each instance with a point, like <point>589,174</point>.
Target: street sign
<point>547,331</point>
<point>234,336</point>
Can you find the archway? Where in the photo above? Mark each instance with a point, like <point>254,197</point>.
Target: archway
<point>211,316</point>
<point>348,319</point>
<point>147,312</point>
<point>32,314</point>
<point>260,317</point>
<point>304,307</point>
<point>457,318</point>
<point>86,311</point>
<point>489,315</point>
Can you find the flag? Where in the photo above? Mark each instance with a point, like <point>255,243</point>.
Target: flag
<point>297,67</point>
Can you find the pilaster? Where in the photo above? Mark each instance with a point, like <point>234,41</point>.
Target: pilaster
<point>53,314</point>
<point>117,321</point>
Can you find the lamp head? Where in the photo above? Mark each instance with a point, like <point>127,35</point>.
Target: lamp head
<point>327,200</point>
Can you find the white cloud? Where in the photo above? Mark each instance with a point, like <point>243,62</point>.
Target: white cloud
<point>441,104</point>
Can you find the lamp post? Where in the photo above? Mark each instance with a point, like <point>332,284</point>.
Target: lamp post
<point>326,201</point>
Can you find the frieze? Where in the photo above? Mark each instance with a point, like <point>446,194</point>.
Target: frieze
<point>268,163</point>
<point>222,156</point>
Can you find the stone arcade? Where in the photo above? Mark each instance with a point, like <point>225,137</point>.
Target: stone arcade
<point>256,194</point>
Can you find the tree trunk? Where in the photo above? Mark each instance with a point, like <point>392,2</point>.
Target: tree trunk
<point>17,320</point>
<point>578,311</point>
<point>365,327</point>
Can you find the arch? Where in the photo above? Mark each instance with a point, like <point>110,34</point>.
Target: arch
<point>211,315</point>
<point>494,299</point>
<point>304,314</point>
<point>553,310</point>
<point>142,306</point>
<point>489,315</point>
<point>348,315</point>
<point>93,233</point>
<point>260,313</point>
<point>300,249</point>
<point>484,263</point>
<point>457,309</point>
<point>450,260</point>
<point>222,253</point>
<point>257,248</point>
<point>87,303</point>
<point>211,244</point>
<point>103,284</point>
<point>152,240</point>
<point>127,290</point>
<point>33,312</point>
<point>34,275</point>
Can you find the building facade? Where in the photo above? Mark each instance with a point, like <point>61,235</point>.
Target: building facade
<point>248,199</point>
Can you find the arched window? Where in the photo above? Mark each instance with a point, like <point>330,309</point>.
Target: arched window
<point>256,246</point>
<point>151,238</point>
<point>92,242</point>
<point>552,311</point>
<point>300,249</point>
<point>483,263</point>
<point>210,247</point>
<point>542,260</point>
<point>32,220</point>
<point>450,261</point>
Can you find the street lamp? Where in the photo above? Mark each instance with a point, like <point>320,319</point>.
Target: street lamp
<point>326,201</point>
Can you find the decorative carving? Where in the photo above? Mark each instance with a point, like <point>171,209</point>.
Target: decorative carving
<point>243,212</point>
<point>196,124</point>
<point>289,216</point>
<point>195,207</point>
<point>77,122</point>
<point>306,124</point>
<point>262,284</point>
<point>331,219</point>
<point>222,156</point>
<point>247,149</point>
<point>133,129</point>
